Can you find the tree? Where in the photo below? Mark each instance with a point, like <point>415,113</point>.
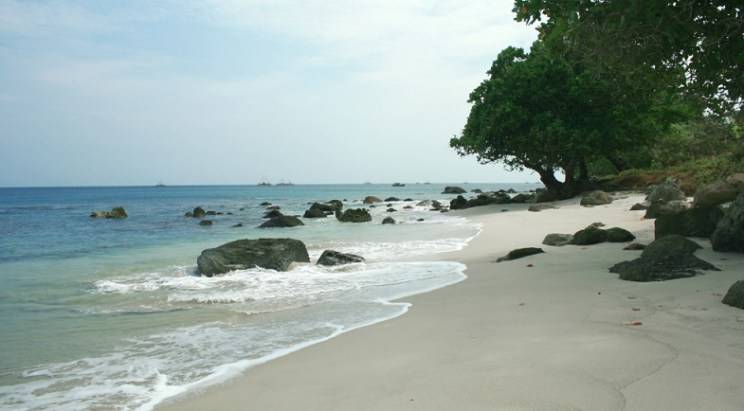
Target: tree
<point>540,111</point>
<point>642,37</point>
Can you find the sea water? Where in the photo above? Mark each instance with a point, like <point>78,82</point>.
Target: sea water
<point>111,314</point>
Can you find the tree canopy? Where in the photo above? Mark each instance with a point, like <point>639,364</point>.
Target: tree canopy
<point>544,112</point>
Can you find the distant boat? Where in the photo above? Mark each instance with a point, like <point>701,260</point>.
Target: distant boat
<point>264,184</point>
<point>398,185</point>
<point>160,184</point>
<point>284,183</point>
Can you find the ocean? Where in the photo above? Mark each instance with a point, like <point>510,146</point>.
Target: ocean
<point>110,314</point>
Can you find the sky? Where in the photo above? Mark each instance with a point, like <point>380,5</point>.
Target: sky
<point>138,92</point>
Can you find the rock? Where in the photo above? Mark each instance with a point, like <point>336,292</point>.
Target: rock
<point>522,198</point>
<point>656,209</point>
<point>273,214</point>
<point>336,204</point>
<point>735,295</point>
<point>391,210</point>
<point>511,191</point>
<point>638,207</point>
<point>544,196</point>
<point>274,207</point>
<point>666,258</point>
<point>540,207</point>
<point>388,220</point>
<point>619,235</point>
<point>499,197</point>
<point>595,198</point>
<point>206,223</point>
<point>371,200</point>
<point>198,212</point>
<point>420,220</point>
<point>237,225</point>
<point>520,253</point>
<point>458,203</point>
<point>635,246</point>
<point>398,185</point>
<point>715,193</point>
<point>392,199</point>
<point>736,180</point>
<point>330,257</point>
<point>408,207</point>
<point>590,235</point>
<point>211,212</point>
<point>271,253</point>
<point>729,233</point>
<point>408,199</point>
<point>116,213</point>
<point>282,221</point>
<point>265,204</point>
<point>423,203</point>
<point>453,190</point>
<point>476,190</point>
<point>353,215</point>
<point>436,205</point>
<point>557,240</point>
<point>693,222</point>
<point>665,192</point>
<point>597,224</point>
<point>314,213</point>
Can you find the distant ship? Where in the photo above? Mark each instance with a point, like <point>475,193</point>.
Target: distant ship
<point>160,184</point>
<point>264,184</point>
<point>398,185</point>
<point>284,183</point>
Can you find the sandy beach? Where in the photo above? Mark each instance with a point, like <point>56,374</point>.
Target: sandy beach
<point>546,332</point>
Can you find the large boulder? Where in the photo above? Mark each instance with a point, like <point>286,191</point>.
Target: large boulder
<point>666,258</point>
<point>354,215</point>
<point>665,192</point>
<point>282,221</point>
<point>520,253</point>
<point>693,222</point>
<point>715,193</point>
<point>522,198</point>
<point>544,196</point>
<point>273,214</point>
<point>116,213</point>
<point>595,198</point>
<point>337,205</point>
<point>314,213</point>
<point>272,253</point>
<point>458,203</point>
<point>558,240</point>
<point>590,235</point>
<point>388,220</point>
<point>371,200</point>
<point>729,233</point>
<point>453,190</point>
<point>197,212</point>
<point>735,295</point>
<point>330,257</point>
<point>656,209</point>
<point>619,235</point>
<point>321,210</point>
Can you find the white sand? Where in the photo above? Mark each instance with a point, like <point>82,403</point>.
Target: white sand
<point>511,337</point>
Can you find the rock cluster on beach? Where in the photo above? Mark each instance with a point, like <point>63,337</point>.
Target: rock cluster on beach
<point>115,213</point>
<point>271,253</point>
<point>667,258</point>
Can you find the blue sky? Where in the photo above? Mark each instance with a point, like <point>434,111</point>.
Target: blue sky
<point>232,92</point>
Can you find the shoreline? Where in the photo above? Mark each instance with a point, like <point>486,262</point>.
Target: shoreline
<point>551,336</point>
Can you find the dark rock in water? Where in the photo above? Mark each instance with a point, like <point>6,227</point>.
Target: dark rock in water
<point>408,207</point>
<point>371,200</point>
<point>666,258</point>
<point>522,198</point>
<point>693,222</point>
<point>273,214</point>
<point>392,199</point>
<point>453,190</point>
<point>666,192</point>
<point>590,235</point>
<point>282,221</point>
<point>635,247</point>
<point>336,204</point>
<point>116,213</point>
<point>211,212</point>
<point>237,225</point>
<point>265,204</point>
<point>656,209</point>
<point>715,193</point>
<point>330,257</point>
<point>619,235</point>
<point>391,210</point>
<point>557,240</point>
<point>540,207</point>
<point>274,207</point>
<point>327,208</point>
<point>511,191</point>
<point>476,190</point>
<point>498,197</point>
<point>388,220</point>
<point>198,212</point>
<point>520,253</point>
<point>408,199</point>
<point>638,207</point>
<point>458,203</point>
<point>436,205</point>
<point>354,215</point>
<point>595,198</point>
<point>735,295</point>
<point>729,233</point>
<point>420,220</point>
<point>271,253</point>
<point>206,223</point>
<point>314,213</point>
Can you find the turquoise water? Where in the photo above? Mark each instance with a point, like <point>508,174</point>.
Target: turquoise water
<point>109,314</point>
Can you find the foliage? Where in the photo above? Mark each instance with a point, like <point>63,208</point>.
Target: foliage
<point>641,37</point>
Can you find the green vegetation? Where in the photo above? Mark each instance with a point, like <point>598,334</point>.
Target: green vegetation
<point>627,92</point>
